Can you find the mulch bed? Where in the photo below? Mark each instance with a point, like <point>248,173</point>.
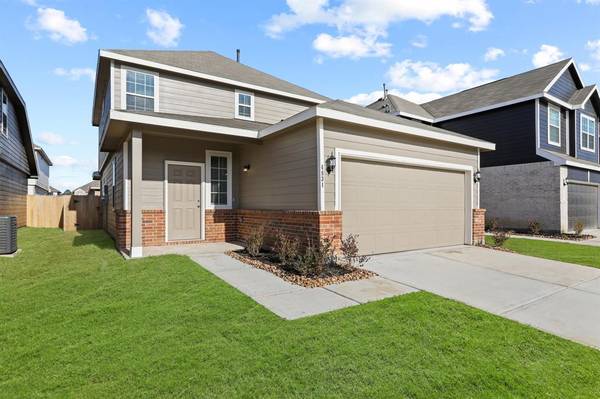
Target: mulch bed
<point>558,236</point>
<point>501,249</point>
<point>332,275</point>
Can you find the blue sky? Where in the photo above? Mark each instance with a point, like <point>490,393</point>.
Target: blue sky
<point>343,49</point>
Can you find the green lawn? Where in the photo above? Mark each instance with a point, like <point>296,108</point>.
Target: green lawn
<point>562,251</point>
<point>76,320</point>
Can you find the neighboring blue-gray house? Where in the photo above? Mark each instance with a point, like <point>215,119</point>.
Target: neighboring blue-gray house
<point>546,166</point>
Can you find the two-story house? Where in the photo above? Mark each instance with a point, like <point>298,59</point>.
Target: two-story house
<point>545,125</point>
<point>41,184</point>
<point>17,159</point>
<point>196,147</point>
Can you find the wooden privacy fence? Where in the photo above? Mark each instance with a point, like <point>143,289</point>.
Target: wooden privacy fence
<point>68,212</point>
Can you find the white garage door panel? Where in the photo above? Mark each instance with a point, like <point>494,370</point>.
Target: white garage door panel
<point>398,208</point>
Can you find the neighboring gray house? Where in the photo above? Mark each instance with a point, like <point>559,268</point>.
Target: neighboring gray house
<point>17,159</point>
<point>546,166</point>
<point>196,147</point>
<point>41,184</point>
<point>91,188</point>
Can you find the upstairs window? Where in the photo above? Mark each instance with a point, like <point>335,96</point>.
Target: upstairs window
<point>554,125</point>
<point>588,133</point>
<point>244,105</point>
<point>140,91</point>
<point>4,118</point>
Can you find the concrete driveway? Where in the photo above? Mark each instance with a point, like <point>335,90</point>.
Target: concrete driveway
<point>560,298</point>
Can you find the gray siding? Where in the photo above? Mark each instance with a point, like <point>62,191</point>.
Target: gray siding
<point>544,129</point>
<point>188,96</point>
<point>114,201</point>
<point>12,149</point>
<point>345,136</point>
<point>564,87</point>
<point>283,171</point>
<point>43,172</point>
<point>515,194</point>
<point>594,177</point>
<point>158,149</point>
<point>579,152</point>
<point>577,174</point>
<point>13,193</point>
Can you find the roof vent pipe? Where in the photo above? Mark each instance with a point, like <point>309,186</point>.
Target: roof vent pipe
<point>237,55</point>
<point>385,92</point>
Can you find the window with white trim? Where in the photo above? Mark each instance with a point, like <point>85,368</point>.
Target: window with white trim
<point>554,125</point>
<point>244,105</point>
<point>588,133</point>
<point>4,118</point>
<point>219,179</point>
<point>139,91</point>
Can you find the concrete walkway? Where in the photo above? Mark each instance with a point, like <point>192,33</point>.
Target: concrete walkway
<point>286,300</point>
<point>559,298</point>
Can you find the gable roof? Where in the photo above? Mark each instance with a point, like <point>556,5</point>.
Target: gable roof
<point>206,65</point>
<point>581,96</point>
<point>525,85</point>
<point>356,114</point>
<point>13,93</point>
<point>93,185</point>
<point>43,154</point>
<point>398,105</point>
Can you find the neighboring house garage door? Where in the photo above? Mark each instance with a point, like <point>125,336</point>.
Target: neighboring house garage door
<point>583,205</point>
<point>397,208</point>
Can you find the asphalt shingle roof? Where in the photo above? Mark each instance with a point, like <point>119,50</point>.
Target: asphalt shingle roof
<point>511,88</point>
<point>214,64</point>
<point>580,95</point>
<point>398,104</point>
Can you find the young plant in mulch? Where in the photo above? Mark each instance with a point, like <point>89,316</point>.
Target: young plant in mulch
<point>578,228</point>
<point>535,227</point>
<point>255,241</point>
<point>313,263</point>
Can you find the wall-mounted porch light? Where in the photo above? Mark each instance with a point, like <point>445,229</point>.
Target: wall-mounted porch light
<point>330,163</point>
<point>246,168</point>
<point>477,177</point>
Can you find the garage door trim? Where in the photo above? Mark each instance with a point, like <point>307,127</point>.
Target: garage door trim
<point>407,161</point>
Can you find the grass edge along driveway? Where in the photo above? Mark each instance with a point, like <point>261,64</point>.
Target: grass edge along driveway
<point>79,321</point>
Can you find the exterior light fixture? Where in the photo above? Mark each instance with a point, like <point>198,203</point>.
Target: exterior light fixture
<point>477,177</point>
<point>331,163</point>
<point>246,168</point>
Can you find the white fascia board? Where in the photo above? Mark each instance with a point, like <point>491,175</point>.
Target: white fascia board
<point>558,75</point>
<point>559,161</point>
<point>558,101</point>
<point>291,121</point>
<point>179,124</point>
<point>487,108</point>
<point>409,115</point>
<point>421,132</point>
<point>183,71</point>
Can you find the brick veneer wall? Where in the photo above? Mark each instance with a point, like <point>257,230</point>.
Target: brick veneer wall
<point>478,226</point>
<point>123,229</point>
<point>153,227</point>
<point>221,225</point>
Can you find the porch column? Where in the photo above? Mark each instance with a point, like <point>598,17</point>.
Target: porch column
<point>136,194</point>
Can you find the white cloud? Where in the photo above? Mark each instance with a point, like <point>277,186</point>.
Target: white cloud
<point>429,77</point>
<point>76,73</point>
<point>546,55</point>
<point>369,98</point>
<point>165,30</point>
<point>493,53</point>
<point>370,19</point>
<point>50,138</point>
<point>420,41</point>
<point>65,160</point>
<point>59,27</point>
<point>350,46</point>
<point>594,47</point>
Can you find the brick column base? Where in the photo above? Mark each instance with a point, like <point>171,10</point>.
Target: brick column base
<point>478,226</point>
<point>123,229</point>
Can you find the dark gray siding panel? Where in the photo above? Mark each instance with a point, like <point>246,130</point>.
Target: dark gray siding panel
<point>579,152</point>
<point>577,174</point>
<point>594,177</point>
<point>564,87</point>
<point>544,129</point>
<point>13,193</point>
<point>512,128</point>
<point>12,149</point>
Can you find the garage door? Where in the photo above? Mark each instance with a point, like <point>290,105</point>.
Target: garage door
<point>398,208</point>
<point>583,205</point>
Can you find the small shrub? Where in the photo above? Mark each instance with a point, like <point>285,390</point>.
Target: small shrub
<point>286,248</point>
<point>491,224</point>
<point>316,258</point>
<point>534,227</point>
<point>349,250</point>
<point>500,236</point>
<point>578,227</point>
<point>255,241</point>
